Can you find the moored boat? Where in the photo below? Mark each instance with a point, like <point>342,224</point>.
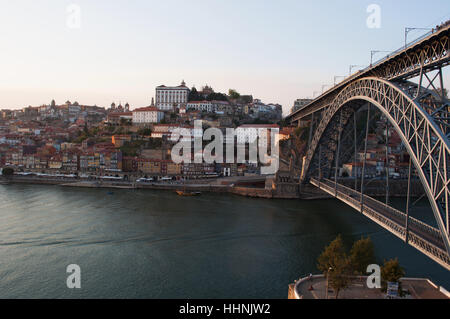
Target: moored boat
<point>185,193</point>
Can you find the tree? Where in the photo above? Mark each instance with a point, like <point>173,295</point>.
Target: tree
<point>391,272</point>
<point>216,97</point>
<point>194,95</point>
<point>334,263</point>
<point>7,171</point>
<point>233,94</point>
<point>362,255</point>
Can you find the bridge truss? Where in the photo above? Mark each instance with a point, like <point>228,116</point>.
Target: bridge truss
<point>418,111</point>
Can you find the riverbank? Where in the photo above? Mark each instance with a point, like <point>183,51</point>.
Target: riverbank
<point>225,185</point>
<point>239,185</point>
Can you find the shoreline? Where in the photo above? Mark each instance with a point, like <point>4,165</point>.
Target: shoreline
<point>253,192</point>
<point>307,192</point>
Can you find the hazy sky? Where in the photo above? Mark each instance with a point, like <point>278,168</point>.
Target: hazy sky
<point>276,50</point>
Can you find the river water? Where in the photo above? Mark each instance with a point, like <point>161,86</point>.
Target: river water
<point>155,244</point>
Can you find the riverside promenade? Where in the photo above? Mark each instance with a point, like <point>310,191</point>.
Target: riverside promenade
<point>314,287</point>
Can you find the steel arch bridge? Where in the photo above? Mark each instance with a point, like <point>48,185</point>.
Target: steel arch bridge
<point>418,112</point>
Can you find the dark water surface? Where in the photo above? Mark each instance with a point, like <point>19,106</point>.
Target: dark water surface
<point>155,244</point>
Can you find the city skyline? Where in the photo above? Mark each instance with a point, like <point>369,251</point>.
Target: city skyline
<point>121,54</point>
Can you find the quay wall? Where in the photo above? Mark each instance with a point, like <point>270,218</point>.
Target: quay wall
<point>375,188</point>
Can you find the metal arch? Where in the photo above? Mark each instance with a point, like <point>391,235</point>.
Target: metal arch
<point>427,145</point>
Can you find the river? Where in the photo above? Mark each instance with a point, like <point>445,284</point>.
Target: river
<point>155,244</point>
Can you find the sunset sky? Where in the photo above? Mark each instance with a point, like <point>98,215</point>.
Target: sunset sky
<point>276,50</point>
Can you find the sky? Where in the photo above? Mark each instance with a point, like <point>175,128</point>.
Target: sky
<point>117,50</point>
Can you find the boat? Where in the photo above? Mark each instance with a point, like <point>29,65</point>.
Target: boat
<point>185,193</point>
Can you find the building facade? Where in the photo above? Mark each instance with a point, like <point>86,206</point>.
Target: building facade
<point>299,104</point>
<point>170,97</point>
<point>146,115</point>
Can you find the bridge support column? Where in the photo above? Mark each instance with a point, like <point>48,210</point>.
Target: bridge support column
<point>320,164</point>
<point>311,130</point>
<point>407,203</point>
<point>363,173</point>
<point>337,154</point>
<point>356,150</point>
<point>387,162</point>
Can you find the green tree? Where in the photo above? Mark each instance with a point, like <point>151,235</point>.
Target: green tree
<point>7,171</point>
<point>391,272</point>
<point>335,264</point>
<point>362,255</point>
<point>194,95</point>
<point>233,94</point>
<point>216,97</point>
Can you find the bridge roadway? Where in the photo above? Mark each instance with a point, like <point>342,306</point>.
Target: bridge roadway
<point>427,53</point>
<point>423,237</point>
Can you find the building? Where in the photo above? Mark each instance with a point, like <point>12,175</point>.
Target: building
<point>299,104</point>
<point>146,115</point>
<point>286,133</point>
<point>120,140</point>
<point>119,117</point>
<point>355,169</point>
<point>204,106</point>
<point>149,166</point>
<point>169,97</point>
<point>248,133</point>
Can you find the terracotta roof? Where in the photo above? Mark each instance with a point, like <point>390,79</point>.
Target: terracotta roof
<point>147,109</point>
<point>259,126</point>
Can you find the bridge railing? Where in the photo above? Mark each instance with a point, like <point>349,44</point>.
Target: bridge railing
<point>373,65</point>
<point>411,43</point>
<point>395,212</point>
<point>399,230</point>
<point>393,226</point>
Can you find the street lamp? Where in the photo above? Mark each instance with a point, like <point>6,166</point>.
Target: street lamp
<point>407,30</point>
<point>372,53</point>
<point>326,293</point>
<point>354,66</point>
<point>338,76</point>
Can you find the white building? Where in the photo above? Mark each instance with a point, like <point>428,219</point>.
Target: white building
<point>145,115</point>
<point>248,133</point>
<point>168,97</point>
<point>204,106</point>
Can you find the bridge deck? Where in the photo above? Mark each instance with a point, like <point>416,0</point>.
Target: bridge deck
<point>421,236</point>
<point>404,63</point>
